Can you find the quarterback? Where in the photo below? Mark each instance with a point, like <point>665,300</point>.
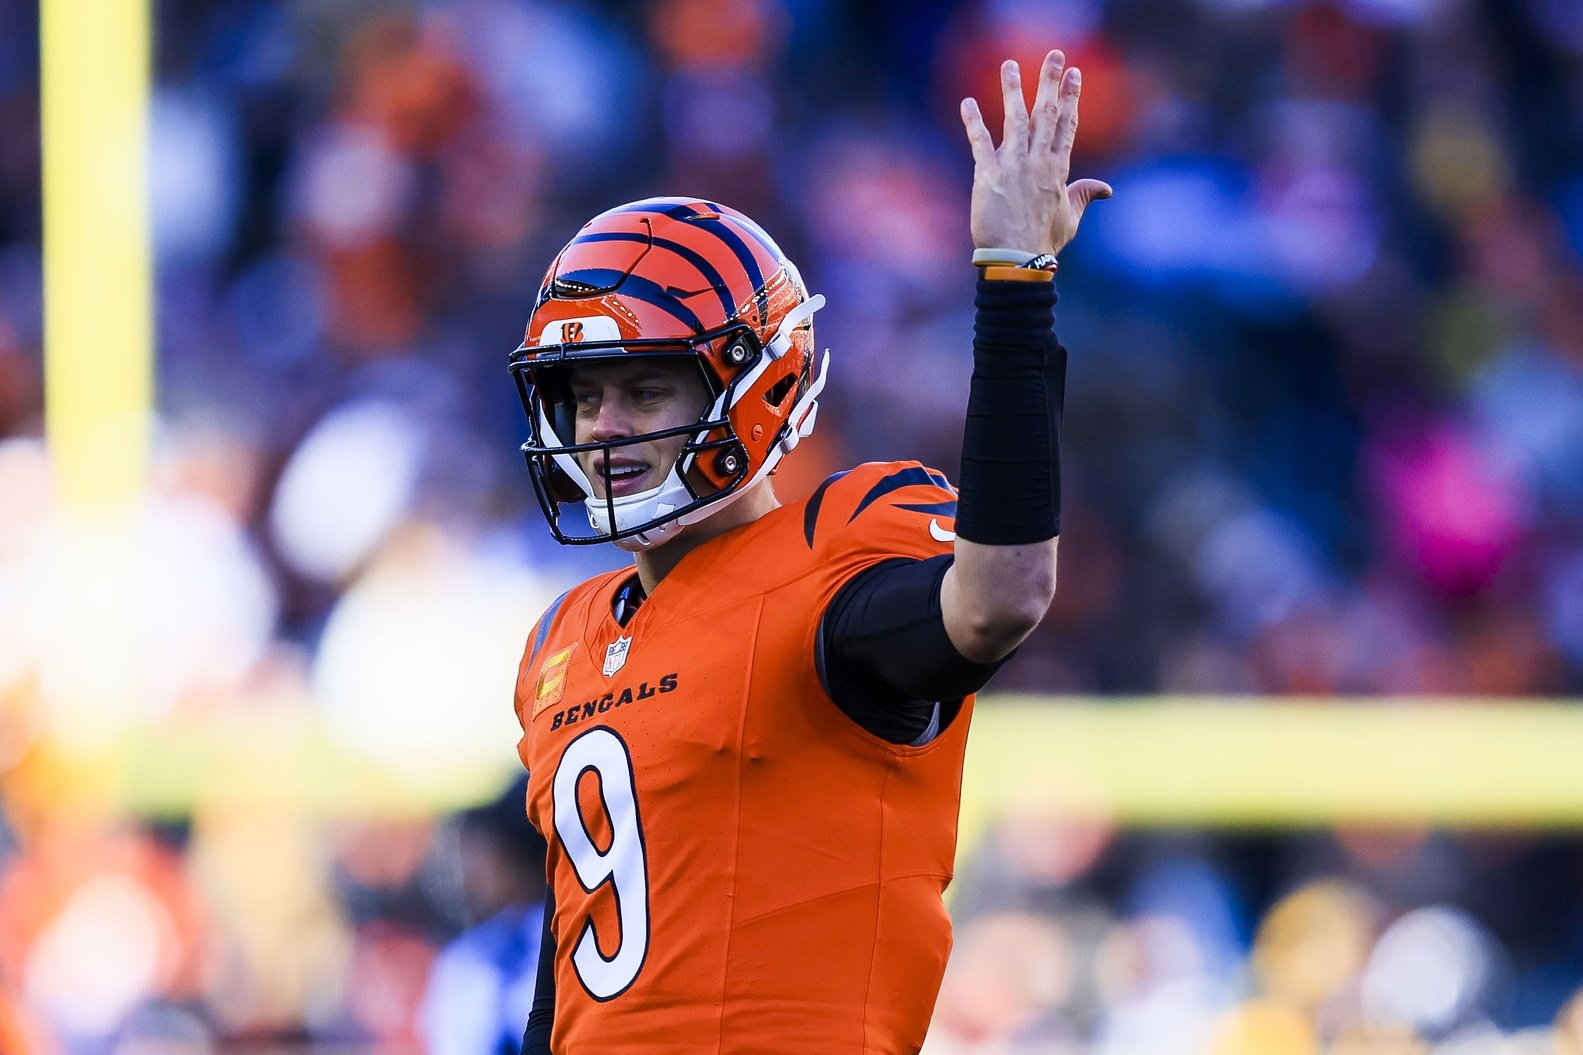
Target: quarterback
<point>745,751</point>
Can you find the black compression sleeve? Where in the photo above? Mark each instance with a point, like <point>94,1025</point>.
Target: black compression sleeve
<point>884,655</point>
<point>541,1020</point>
<point>1011,467</point>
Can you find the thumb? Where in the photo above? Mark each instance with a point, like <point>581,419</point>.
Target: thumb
<point>1085,191</point>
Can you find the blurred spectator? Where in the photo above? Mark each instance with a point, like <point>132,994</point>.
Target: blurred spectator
<point>480,987</point>
<point>1009,974</point>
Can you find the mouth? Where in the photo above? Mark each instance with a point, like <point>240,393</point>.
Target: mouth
<point>626,477</point>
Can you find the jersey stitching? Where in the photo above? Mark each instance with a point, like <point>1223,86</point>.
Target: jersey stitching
<point>916,873</point>
<point>736,850</point>
<point>879,897</point>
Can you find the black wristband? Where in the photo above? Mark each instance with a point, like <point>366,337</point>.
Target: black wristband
<point>1011,442</point>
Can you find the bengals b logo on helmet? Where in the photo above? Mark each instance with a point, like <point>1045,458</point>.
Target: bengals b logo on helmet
<point>572,332</point>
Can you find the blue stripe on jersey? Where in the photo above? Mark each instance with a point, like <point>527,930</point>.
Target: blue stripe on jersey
<point>544,626</point>
<point>937,508</point>
<point>895,482</point>
<point>810,517</point>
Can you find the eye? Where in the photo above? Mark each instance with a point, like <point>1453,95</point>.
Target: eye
<point>648,395</point>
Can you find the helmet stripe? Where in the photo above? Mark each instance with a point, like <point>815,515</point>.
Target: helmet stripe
<point>758,233</point>
<point>766,243</point>
<point>706,270</point>
<point>638,288</point>
<point>729,237</point>
<point>679,211</point>
<point>745,257</point>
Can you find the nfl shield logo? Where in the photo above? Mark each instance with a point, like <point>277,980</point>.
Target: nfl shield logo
<point>616,655</point>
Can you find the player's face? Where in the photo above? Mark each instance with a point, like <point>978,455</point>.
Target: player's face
<point>621,399</point>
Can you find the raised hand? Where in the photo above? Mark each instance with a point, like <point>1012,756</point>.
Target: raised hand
<point>1021,198</point>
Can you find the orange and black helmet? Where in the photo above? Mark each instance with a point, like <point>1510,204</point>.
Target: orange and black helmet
<point>675,278</point>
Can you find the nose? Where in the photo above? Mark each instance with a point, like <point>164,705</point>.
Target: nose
<point>611,422</point>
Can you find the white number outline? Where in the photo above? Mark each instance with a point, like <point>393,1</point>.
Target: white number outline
<point>602,751</point>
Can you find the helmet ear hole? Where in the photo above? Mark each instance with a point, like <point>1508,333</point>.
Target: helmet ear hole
<point>782,388</point>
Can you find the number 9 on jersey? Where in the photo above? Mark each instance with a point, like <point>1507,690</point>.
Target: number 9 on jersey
<point>623,865</point>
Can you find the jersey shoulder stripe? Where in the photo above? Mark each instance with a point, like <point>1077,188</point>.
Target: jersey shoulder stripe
<point>546,620</point>
<point>849,505</point>
<point>945,509</point>
<point>811,511</point>
<point>846,496</point>
<point>916,475</point>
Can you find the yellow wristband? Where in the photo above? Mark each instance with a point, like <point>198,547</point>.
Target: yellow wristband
<point>1018,274</point>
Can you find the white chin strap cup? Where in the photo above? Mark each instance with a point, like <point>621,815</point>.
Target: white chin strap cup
<point>640,508</point>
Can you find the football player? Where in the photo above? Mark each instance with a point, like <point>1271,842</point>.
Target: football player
<point>745,752</point>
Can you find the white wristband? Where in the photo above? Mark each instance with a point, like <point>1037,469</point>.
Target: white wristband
<point>1002,257</point>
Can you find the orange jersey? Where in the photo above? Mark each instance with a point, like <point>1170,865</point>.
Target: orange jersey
<point>737,865</point>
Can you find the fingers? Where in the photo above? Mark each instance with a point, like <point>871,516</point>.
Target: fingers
<point>1047,104</point>
<point>1016,130</point>
<point>977,134</point>
<point>1066,122</point>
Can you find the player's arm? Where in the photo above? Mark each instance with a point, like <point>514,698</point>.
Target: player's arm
<point>884,656</point>
<point>1008,514</point>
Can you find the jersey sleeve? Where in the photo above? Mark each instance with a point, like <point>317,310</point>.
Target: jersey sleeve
<point>883,537</point>
<point>875,512</point>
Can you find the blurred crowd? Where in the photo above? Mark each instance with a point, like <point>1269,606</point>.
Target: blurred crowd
<point>1324,436</point>
<point>271,932</point>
